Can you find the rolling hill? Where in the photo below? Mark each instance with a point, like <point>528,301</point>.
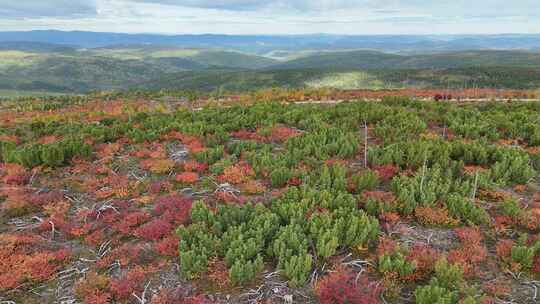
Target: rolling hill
<point>378,60</point>
<point>45,67</point>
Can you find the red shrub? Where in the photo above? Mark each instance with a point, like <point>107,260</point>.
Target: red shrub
<point>341,287</point>
<point>431,217</point>
<point>389,218</point>
<point>174,208</point>
<point>197,300</point>
<point>78,230</point>
<point>42,199</point>
<point>157,187</point>
<point>504,249</point>
<point>469,235</point>
<point>497,288</point>
<point>23,260</point>
<point>98,297</point>
<point>536,265</point>
<point>237,174</point>
<point>168,246</point>
<point>62,254</point>
<point>386,172</point>
<point>131,282</point>
<point>425,258</point>
<point>294,181</point>
<point>247,135</point>
<point>193,143</point>
<point>40,266</point>
<point>131,220</point>
<point>194,166</point>
<point>218,272</point>
<point>93,288</point>
<point>468,256</point>
<point>178,296</point>
<point>154,230</point>
<point>127,254</point>
<point>14,174</point>
<point>187,177</point>
<point>386,245</point>
<point>282,133</point>
<point>95,238</point>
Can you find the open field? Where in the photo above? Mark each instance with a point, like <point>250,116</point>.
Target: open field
<point>159,199</point>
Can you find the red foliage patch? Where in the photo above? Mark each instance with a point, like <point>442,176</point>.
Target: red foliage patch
<point>386,245</point>
<point>497,288</point>
<point>187,177</point>
<point>247,135</point>
<point>386,172</point>
<point>127,254</point>
<point>237,174</point>
<point>341,287</point>
<point>178,296</point>
<point>438,216</point>
<point>131,282</point>
<point>504,249</point>
<point>159,186</point>
<point>471,252</point>
<point>23,259</point>
<point>194,166</point>
<point>130,221</point>
<point>168,246</point>
<point>193,143</point>
<point>282,133</point>
<point>154,230</point>
<point>425,258</point>
<point>13,174</point>
<point>174,208</point>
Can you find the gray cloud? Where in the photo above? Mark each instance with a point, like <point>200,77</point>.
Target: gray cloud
<point>46,8</point>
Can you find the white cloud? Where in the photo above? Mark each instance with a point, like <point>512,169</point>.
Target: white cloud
<point>274,16</point>
<point>246,5</point>
<point>41,8</point>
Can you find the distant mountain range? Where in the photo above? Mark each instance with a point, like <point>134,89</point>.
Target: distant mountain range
<point>78,62</point>
<point>262,44</point>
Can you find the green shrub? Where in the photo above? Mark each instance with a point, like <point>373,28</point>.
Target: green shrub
<point>279,177</point>
<point>210,156</point>
<point>512,208</point>
<point>243,271</point>
<point>523,255</point>
<point>447,276</point>
<point>433,294</point>
<point>297,269</point>
<point>365,180</point>
<point>52,155</point>
<point>395,263</point>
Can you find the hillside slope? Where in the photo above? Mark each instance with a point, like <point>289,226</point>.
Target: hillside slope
<point>378,60</point>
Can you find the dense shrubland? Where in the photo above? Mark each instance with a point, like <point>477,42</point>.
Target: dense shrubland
<point>234,194</point>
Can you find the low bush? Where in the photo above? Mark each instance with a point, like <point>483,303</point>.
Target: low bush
<point>343,286</point>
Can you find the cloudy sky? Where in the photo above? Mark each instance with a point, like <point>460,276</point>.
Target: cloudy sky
<point>274,16</point>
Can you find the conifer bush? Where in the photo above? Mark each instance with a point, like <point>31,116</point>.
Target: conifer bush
<point>280,176</point>
<point>395,265</point>
<point>433,294</point>
<point>244,235</point>
<point>365,180</point>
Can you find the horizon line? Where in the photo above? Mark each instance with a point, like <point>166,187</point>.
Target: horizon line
<point>271,34</point>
